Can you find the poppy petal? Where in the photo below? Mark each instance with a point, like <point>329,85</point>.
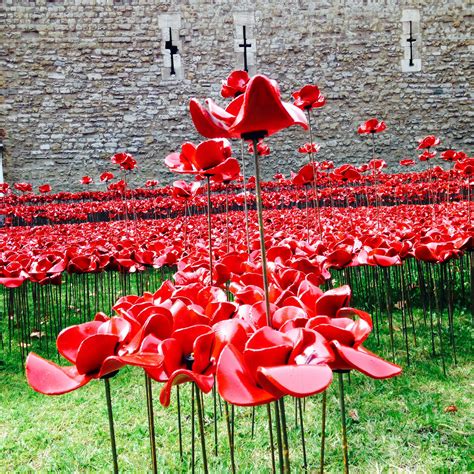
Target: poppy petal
<point>234,382</point>
<point>46,377</point>
<point>367,362</point>
<point>298,380</point>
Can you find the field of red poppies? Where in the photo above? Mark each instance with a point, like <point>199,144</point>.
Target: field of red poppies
<point>227,291</point>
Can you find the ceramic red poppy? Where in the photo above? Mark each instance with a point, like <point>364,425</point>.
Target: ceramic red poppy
<point>428,142</point>
<point>346,332</point>
<point>309,97</point>
<point>235,84</point>
<point>372,125</point>
<point>274,364</point>
<point>95,350</point>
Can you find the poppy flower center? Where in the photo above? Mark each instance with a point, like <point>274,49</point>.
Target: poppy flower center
<point>257,135</point>
<point>189,361</point>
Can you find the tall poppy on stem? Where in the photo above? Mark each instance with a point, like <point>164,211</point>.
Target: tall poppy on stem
<point>346,335</point>
<point>232,87</point>
<point>126,162</point>
<point>262,114</point>
<point>372,127</point>
<point>307,98</point>
<point>209,158</point>
<point>255,114</point>
<point>184,191</point>
<point>426,144</point>
<point>97,350</point>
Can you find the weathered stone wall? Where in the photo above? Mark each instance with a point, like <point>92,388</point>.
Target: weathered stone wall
<point>84,78</point>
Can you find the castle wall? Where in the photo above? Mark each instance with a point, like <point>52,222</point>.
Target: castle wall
<point>83,79</point>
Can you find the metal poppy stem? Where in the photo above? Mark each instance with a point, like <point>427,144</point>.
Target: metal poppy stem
<point>230,437</point>
<point>284,432</point>
<point>303,441</point>
<point>227,216</point>
<point>323,432</point>
<point>214,397</point>
<point>201,429</point>
<point>270,431</point>
<point>180,434</point>
<point>315,187</point>
<point>342,407</point>
<point>246,208</point>
<point>111,424</point>
<point>261,231</point>
<point>193,451</point>
<point>209,228</point>
<point>151,422</point>
<point>377,211</point>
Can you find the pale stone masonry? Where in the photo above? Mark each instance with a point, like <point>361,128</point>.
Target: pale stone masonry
<point>83,79</point>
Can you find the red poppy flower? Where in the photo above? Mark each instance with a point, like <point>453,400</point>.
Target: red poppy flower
<point>258,111</point>
<point>187,357</point>
<point>184,190</point>
<point>209,158</point>
<point>452,155</point>
<point>117,186</point>
<point>428,142</point>
<point>44,188</point>
<point>96,349</point>
<point>407,162</point>
<point>151,183</point>
<point>124,160</point>
<point>106,176</point>
<point>327,165</point>
<point>262,148</point>
<point>309,97</point>
<point>235,84</point>
<point>23,187</point>
<point>465,166</point>
<point>86,180</point>
<point>377,164</point>
<point>427,155</point>
<point>273,365</point>
<point>4,187</point>
<point>346,337</point>
<point>347,173</point>
<point>372,126</point>
<point>305,175</point>
<point>263,111</point>
<point>309,148</point>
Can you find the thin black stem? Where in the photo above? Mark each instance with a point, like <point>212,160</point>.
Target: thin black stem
<point>201,429</point>
<point>246,208</point>
<point>111,424</point>
<point>151,422</point>
<point>209,225</point>
<point>230,438</point>
<point>261,231</point>
<point>323,432</point>
<point>342,407</point>
<point>180,433</point>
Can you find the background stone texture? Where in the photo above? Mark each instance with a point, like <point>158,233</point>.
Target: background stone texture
<point>82,79</point>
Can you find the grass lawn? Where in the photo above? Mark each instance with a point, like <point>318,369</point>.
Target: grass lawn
<point>400,424</point>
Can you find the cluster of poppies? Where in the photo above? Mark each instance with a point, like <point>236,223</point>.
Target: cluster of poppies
<point>192,333</point>
<point>43,254</point>
<point>245,309</point>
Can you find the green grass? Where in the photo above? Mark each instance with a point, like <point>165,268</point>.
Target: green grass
<point>401,424</point>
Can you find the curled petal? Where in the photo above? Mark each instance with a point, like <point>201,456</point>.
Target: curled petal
<point>366,362</point>
<point>93,351</point>
<point>234,382</point>
<point>298,380</point>
<point>70,339</point>
<point>46,377</point>
<point>204,382</point>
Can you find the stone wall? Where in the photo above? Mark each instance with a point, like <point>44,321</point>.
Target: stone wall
<point>86,78</point>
